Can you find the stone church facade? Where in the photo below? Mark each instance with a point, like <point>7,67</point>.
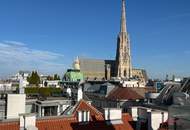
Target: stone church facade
<point>121,67</point>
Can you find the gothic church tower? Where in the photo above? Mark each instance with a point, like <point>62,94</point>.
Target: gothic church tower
<point>123,67</point>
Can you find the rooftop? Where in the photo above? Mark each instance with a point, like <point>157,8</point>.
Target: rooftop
<point>96,122</point>
<point>123,93</point>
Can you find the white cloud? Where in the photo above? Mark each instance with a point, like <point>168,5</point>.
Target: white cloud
<point>15,43</point>
<point>16,56</point>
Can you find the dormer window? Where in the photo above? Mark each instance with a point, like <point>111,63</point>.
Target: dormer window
<point>83,116</point>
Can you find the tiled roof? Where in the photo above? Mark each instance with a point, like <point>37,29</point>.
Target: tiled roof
<point>9,126</point>
<point>164,126</point>
<point>142,91</point>
<point>56,124</point>
<point>71,123</point>
<point>123,93</point>
<point>84,106</point>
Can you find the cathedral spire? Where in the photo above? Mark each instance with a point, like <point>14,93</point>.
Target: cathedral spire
<point>123,17</point>
<point>123,55</point>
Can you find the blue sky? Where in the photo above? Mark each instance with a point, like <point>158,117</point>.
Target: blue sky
<point>46,35</point>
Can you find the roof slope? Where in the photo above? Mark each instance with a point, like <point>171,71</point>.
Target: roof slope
<point>63,123</point>
<point>123,93</point>
<point>9,126</point>
<point>85,106</point>
<point>71,123</point>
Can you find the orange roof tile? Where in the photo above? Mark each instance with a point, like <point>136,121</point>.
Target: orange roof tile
<point>63,123</point>
<point>71,123</point>
<point>94,113</point>
<point>9,126</point>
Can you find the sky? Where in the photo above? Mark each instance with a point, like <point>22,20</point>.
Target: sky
<point>47,35</point>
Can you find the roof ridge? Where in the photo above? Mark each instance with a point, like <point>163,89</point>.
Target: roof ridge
<point>136,93</point>
<point>90,106</point>
<point>114,89</point>
<point>56,119</point>
<point>94,108</point>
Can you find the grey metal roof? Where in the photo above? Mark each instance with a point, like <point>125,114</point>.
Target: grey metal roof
<point>166,95</point>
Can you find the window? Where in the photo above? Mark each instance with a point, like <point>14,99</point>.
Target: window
<point>83,116</point>
<point>125,73</point>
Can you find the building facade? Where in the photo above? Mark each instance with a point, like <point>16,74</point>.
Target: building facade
<point>121,67</point>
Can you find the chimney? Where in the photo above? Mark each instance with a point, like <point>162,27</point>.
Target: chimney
<point>15,105</point>
<point>69,91</point>
<point>21,85</point>
<point>79,94</point>
<point>113,115</point>
<point>133,111</point>
<point>28,122</point>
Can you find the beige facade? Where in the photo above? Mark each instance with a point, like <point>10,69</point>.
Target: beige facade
<point>123,55</point>
<point>121,67</point>
<point>94,75</point>
<point>140,74</point>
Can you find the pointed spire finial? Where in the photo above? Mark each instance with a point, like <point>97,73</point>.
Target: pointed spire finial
<point>123,18</point>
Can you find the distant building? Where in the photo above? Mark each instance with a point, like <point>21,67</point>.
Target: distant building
<point>5,86</point>
<point>51,83</point>
<point>21,74</point>
<point>110,96</point>
<point>73,75</point>
<point>123,64</point>
<point>121,67</point>
<point>104,69</point>
<point>159,85</point>
<point>97,69</point>
<point>170,87</point>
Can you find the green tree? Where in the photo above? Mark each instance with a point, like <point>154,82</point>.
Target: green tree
<point>56,77</point>
<point>45,92</point>
<point>34,78</point>
<point>49,77</point>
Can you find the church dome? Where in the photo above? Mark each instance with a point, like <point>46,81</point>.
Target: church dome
<point>76,64</point>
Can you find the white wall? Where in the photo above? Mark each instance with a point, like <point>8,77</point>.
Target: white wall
<point>5,86</point>
<point>113,114</point>
<point>28,121</point>
<point>54,83</point>
<point>133,112</point>
<point>15,105</point>
<point>79,94</point>
<point>133,83</point>
<point>156,119</point>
